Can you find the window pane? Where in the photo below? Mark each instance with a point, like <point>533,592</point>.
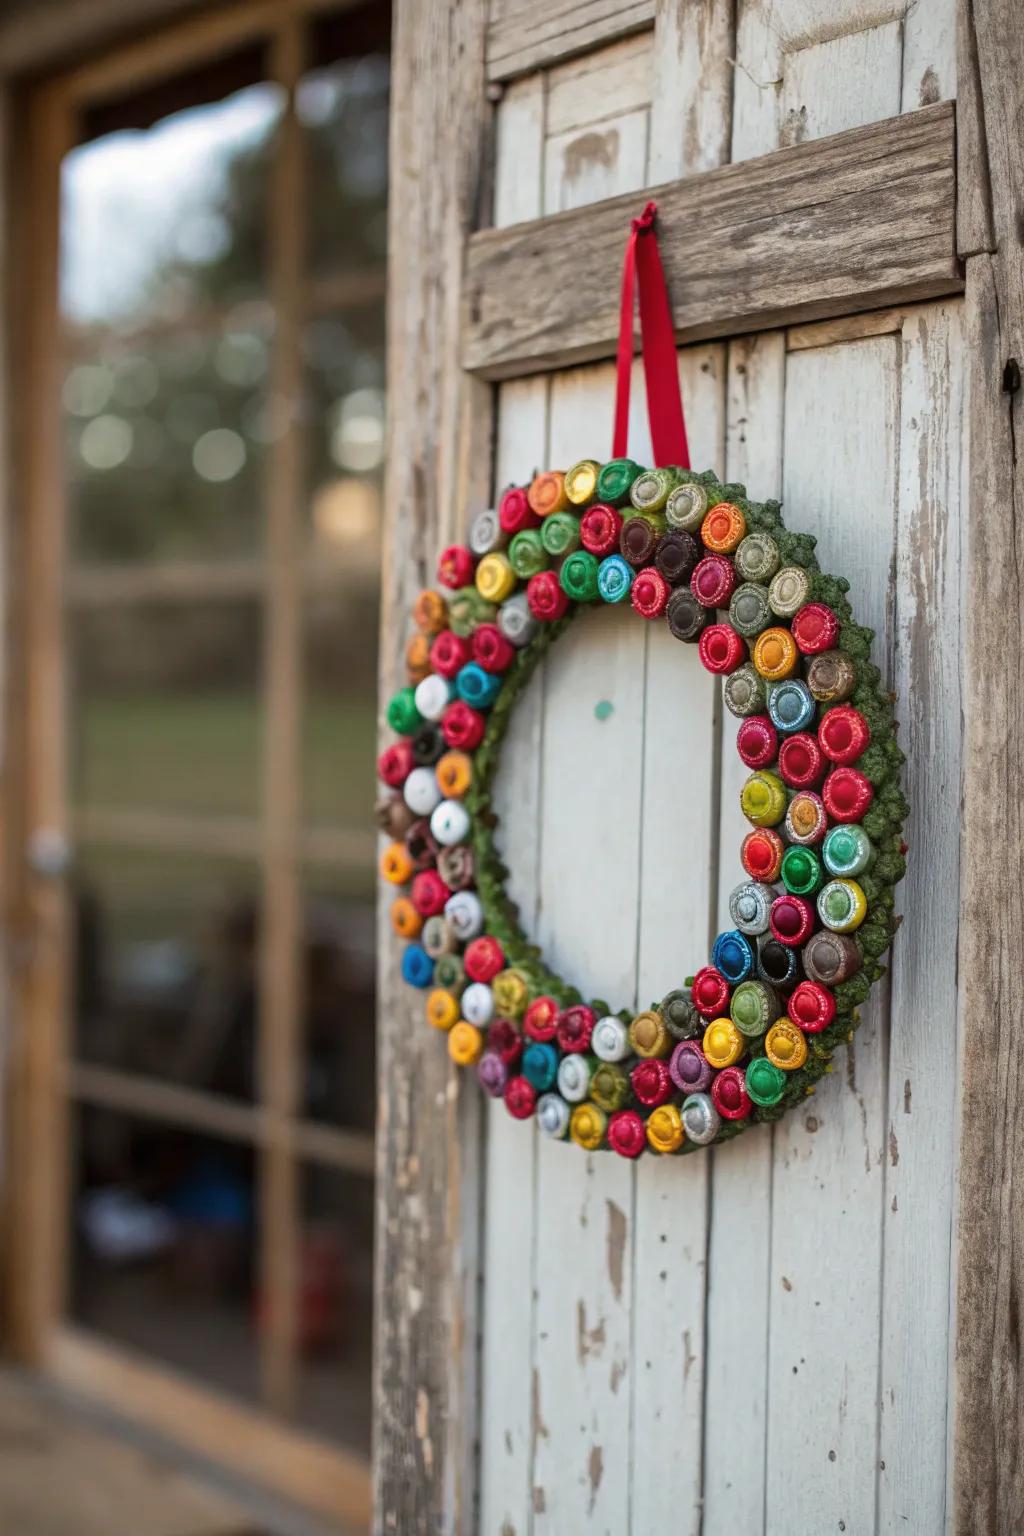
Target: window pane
<point>163,1249</point>
<point>340,718</point>
<point>165,967</point>
<point>339,1082</point>
<point>166,707</point>
<point>345,364</point>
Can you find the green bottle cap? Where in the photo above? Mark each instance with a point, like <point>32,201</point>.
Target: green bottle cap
<point>748,610</point>
<point>763,799</point>
<point>578,576</point>
<point>527,554</point>
<point>449,973</point>
<point>744,691</point>
<point>801,871</point>
<point>764,1082</point>
<point>615,479</point>
<point>560,533</point>
<point>846,850</point>
<point>756,558</point>
<point>753,1007</point>
<point>651,490</point>
<point>609,1087</point>
<point>467,609</point>
<point>680,1016</point>
<point>402,714</point>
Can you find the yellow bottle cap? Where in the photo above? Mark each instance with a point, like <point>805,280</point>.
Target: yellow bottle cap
<point>775,654</point>
<point>395,864</point>
<point>405,919</point>
<point>495,578</point>
<point>510,994</point>
<point>649,1036</point>
<point>723,1043</point>
<point>417,658</point>
<point>442,1009</point>
<point>587,1126</point>
<point>763,799</point>
<point>454,774</point>
<point>465,1043</point>
<point>665,1129</point>
<point>842,905</point>
<point>785,1046</point>
<point>581,481</point>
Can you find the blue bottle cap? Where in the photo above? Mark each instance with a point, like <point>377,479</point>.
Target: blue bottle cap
<point>733,955</point>
<point>417,966</point>
<point>540,1065</point>
<point>790,705</point>
<point>614,579</point>
<point>477,687</point>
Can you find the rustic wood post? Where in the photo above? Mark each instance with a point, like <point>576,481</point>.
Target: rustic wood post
<point>989,1435</point>
<point>439,467</point>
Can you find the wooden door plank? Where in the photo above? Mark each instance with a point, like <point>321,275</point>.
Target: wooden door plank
<point>691,87</point>
<point>526,35</point>
<point>854,222</point>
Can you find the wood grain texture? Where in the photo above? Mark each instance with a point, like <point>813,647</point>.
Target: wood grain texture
<point>989,1444</point>
<point>691,87</point>
<point>524,35</point>
<point>974,226</point>
<point>854,222</point>
<point>439,469</point>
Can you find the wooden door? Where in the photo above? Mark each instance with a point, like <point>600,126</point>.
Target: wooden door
<point>765,1339</point>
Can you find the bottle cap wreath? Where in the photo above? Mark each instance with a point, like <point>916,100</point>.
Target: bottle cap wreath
<point>747,1035</point>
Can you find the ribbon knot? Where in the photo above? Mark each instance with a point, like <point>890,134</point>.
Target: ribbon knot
<point>642,268</point>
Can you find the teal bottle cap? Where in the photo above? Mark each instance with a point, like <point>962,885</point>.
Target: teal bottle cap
<point>764,1082</point>
<point>846,850</point>
<point>801,871</point>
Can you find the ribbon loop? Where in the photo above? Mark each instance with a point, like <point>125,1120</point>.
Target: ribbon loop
<point>642,268</point>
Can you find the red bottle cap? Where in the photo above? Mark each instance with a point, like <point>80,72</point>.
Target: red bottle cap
<point>729,1094</point>
<point>652,1082</point>
<point>545,596</point>
<point>505,1041</point>
<point>462,727</point>
<point>801,763</point>
<point>713,581</point>
<point>429,893</point>
<point>710,992</point>
<point>843,733</point>
<point>791,919</point>
<point>600,528</point>
<point>847,794</point>
<point>520,1098</point>
<point>540,1021</point>
<point>490,649</point>
<point>815,628</point>
<point>449,653</point>
<point>812,1007</point>
<point>626,1134</point>
<point>721,648</point>
<point>757,741</point>
<point>483,959</point>
<point>515,512</point>
<point>761,855</point>
<point>575,1027</point>
<point>456,566</point>
<point>396,763</point>
<point>649,594</point>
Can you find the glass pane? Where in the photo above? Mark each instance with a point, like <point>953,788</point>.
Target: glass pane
<point>166,707</point>
<point>339,1083</point>
<point>163,1254</point>
<point>345,434</point>
<point>340,715</point>
<point>165,967</point>
<point>335,1324</point>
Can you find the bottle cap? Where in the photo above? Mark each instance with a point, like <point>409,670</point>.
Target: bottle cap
<point>609,1086</point>
<point>791,919</point>
<point>638,539</point>
<point>546,598</point>
<point>754,1008</point>
<point>648,1035</point>
<point>679,1015</point>
<point>465,1043</point>
<point>723,1043</point>
<point>651,1082</point>
<point>540,1021</point>
<point>515,620</point>
<point>729,1094</point>
<point>449,823</point>
<point>846,851</point>
<point>665,1129</point>
<point>540,1064</point>
<point>801,871</point>
<point>455,566</point>
<point>402,715</point>
<point>504,1039</point>
<point>486,533</point>
<point>417,966</point>
<point>395,764</point>
<point>483,959</point>
<point>429,893</point>
<point>748,609</point>
<point>576,1027</point>
<point>686,616</point>
<point>587,1126</point>
<point>777,964</point>
<point>421,844</point>
<point>396,864</point>
<point>578,576</point>
<point>405,920</point>
<point>744,695</point>
<point>749,905</point>
<point>812,1007</point>
<point>477,1003</point>
<point>763,799</point>
<point>831,958</point>
<point>430,612</point>
<point>449,653</point>
<point>574,1074</point>
<point>462,726</point>
<point>520,1098</point>
<point>393,816</point>
<point>581,481</point>
<point>805,818</point>
<point>756,739</point>
<point>701,1120</point>
<point>449,973</point>
<point>650,593</point>
<point>455,866</point>
<point>600,527</point>
<point>442,1009</point>
<point>492,1074</point>
<point>560,535</point>
<point>842,905</point>
<point>676,556</point>
<point>775,654</point>
<point>757,558</point>
<point>847,794</point>
<point>510,993</point>
<point>784,1046</point>
<point>433,695</point>
<point>733,955</point>
<point>553,1114</point>
<point>527,554</point>
<point>801,763</point>
<point>790,705</point>
<point>815,629</point>
<point>614,579</point>
<point>686,506</point>
<point>515,512</point>
<point>831,677</point>
<point>467,609</point>
<point>547,493</point>
<point>723,528</point>
<point>422,791</point>
<point>495,578</point>
<point>765,1082</point>
<point>615,480</point>
<point>788,591</point>
<point>477,687</point>
<point>688,1067</point>
<point>713,581</point>
<point>626,1133</point>
<point>843,734</point>
<point>710,992</point>
<point>761,855</point>
<point>721,649</point>
<point>454,772</point>
<point>651,490</point>
<point>417,658</point>
<point>610,1040</point>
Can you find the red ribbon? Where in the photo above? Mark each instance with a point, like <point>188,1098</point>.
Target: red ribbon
<point>658,344</point>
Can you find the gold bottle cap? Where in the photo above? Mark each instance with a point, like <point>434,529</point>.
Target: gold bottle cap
<point>785,1046</point>
<point>665,1129</point>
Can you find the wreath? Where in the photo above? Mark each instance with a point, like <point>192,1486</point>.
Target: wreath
<point>750,1033</point>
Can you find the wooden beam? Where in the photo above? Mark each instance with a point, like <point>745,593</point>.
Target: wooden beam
<point>988,1451</point>
<point>439,468</point>
<point>858,221</point>
<point>523,35</point>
